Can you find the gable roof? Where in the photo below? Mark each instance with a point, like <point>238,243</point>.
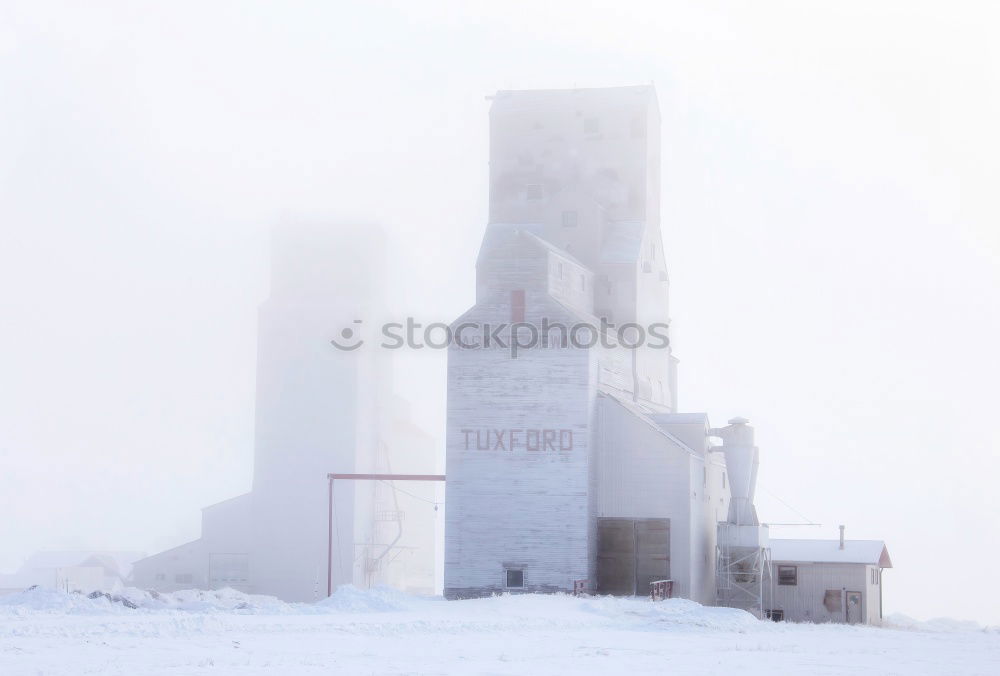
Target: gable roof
<point>682,419</point>
<point>645,416</point>
<point>122,561</point>
<point>868,552</point>
<point>499,235</point>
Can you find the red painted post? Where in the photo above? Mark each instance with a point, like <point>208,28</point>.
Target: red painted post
<point>329,539</point>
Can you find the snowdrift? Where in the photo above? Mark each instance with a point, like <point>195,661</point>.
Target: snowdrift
<point>936,625</point>
<point>543,609</point>
<point>536,610</point>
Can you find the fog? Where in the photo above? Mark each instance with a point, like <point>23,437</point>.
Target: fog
<point>828,213</point>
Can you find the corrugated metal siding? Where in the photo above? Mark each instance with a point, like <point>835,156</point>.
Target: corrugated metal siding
<point>644,474</point>
<point>803,602</point>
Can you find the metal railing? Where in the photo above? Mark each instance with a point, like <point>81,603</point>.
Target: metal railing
<point>661,589</point>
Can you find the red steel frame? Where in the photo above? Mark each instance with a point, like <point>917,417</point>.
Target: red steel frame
<point>359,477</point>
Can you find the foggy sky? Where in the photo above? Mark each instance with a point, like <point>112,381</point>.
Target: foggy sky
<point>829,217</point>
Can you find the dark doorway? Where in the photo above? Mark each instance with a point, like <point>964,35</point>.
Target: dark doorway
<point>631,553</point>
<point>854,607</point>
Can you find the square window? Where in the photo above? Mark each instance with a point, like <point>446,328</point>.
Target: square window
<point>533,191</point>
<point>514,578</point>
<point>591,125</point>
<point>788,576</point>
<point>569,219</point>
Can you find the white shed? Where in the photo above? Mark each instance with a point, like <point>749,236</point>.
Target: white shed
<point>828,580</point>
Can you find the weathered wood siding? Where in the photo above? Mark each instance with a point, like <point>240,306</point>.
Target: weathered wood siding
<point>518,443</point>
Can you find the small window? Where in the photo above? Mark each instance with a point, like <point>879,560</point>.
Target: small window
<point>723,479</point>
<point>583,283</point>
<point>569,219</point>
<point>788,575</point>
<point>161,576</point>
<point>533,191</point>
<point>591,125</point>
<point>560,271</point>
<point>776,615</point>
<point>514,578</point>
<point>184,578</point>
<point>704,477</point>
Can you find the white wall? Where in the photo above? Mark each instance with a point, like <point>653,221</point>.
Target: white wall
<point>644,473</point>
<point>517,508</point>
<point>803,602</point>
<point>183,567</point>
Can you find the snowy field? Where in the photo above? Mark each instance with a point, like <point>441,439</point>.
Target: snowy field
<point>385,632</point>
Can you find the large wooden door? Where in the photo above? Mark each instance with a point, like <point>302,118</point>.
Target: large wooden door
<point>652,538</point>
<point>631,553</point>
<point>616,557</point>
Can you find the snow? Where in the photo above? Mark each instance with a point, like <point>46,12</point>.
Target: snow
<point>385,631</point>
<point>869,552</point>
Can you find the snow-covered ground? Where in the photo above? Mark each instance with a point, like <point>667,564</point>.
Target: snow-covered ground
<point>386,632</point>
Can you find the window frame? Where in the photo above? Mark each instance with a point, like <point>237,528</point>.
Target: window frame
<point>506,578</point>
<point>795,576</point>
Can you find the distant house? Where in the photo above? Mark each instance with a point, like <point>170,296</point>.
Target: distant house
<point>828,580</point>
<point>83,571</point>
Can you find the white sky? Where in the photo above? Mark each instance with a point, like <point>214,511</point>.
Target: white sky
<point>829,214</point>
